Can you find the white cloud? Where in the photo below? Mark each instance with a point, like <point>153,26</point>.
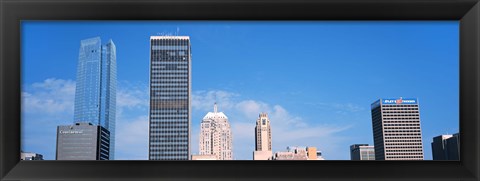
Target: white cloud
<point>52,96</point>
<point>132,139</point>
<point>132,97</point>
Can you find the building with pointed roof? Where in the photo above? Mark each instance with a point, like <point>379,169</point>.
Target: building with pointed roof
<point>215,135</point>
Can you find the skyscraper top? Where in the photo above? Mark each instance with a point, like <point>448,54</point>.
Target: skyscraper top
<point>215,113</point>
<point>90,40</point>
<point>169,37</point>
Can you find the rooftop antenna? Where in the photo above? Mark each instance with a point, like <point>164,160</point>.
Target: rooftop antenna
<point>215,104</point>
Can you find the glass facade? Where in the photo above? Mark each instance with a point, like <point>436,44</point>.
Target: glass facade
<point>170,88</point>
<point>96,84</point>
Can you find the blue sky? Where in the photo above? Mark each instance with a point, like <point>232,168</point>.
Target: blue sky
<point>316,79</point>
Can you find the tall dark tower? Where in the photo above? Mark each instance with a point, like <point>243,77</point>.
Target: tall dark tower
<point>170,97</point>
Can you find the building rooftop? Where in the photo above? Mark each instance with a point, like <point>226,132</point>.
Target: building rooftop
<point>215,113</point>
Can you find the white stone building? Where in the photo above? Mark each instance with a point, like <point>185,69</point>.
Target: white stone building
<point>216,136</point>
<point>263,138</point>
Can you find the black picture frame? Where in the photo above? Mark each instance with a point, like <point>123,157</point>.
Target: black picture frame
<point>12,12</point>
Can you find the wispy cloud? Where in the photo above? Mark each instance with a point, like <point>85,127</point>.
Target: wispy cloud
<point>132,138</point>
<point>342,108</point>
<point>52,96</point>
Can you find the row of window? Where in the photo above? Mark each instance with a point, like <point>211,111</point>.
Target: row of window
<point>401,124</point>
<point>168,87</point>
<point>166,69</point>
<point>161,121</point>
<point>405,141</point>
<point>398,121</point>
<point>411,137</point>
<point>402,115</point>
<point>171,89</point>
<point>160,71</point>
<point>403,129</point>
<point>396,111</point>
<point>160,75</point>
<point>156,63</point>
<point>172,80</point>
<point>169,115</point>
<point>397,149</point>
<point>402,134</point>
<point>399,144</point>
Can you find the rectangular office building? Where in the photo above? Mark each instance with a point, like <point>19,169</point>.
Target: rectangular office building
<point>446,147</point>
<point>362,152</point>
<point>170,91</point>
<point>82,141</point>
<point>396,129</point>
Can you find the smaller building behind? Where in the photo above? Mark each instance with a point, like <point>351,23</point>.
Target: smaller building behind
<point>30,156</point>
<point>362,152</point>
<point>299,153</point>
<point>446,147</point>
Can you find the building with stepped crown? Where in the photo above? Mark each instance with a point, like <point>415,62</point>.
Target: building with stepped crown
<point>216,136</point>
<point>263,138</point>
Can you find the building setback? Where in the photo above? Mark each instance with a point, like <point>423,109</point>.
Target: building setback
<point>263,138</point>
<point>216,136</point>
<point>446,147</point>
<point>96,84</point>
<point>82,141</point>
<point>170,91</point>
<point>362,152</point>
<point>396,129</point>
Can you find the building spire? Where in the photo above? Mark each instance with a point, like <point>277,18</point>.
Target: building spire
<point>215,107</point>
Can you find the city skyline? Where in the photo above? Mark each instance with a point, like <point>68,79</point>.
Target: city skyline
<point>326,110</point>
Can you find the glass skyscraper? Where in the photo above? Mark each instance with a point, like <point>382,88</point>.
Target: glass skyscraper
<point>95,94</point>
<point>170,91</point>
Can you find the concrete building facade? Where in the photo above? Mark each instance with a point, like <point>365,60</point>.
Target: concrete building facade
<point>82,141</point>
<point>396,129</point>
